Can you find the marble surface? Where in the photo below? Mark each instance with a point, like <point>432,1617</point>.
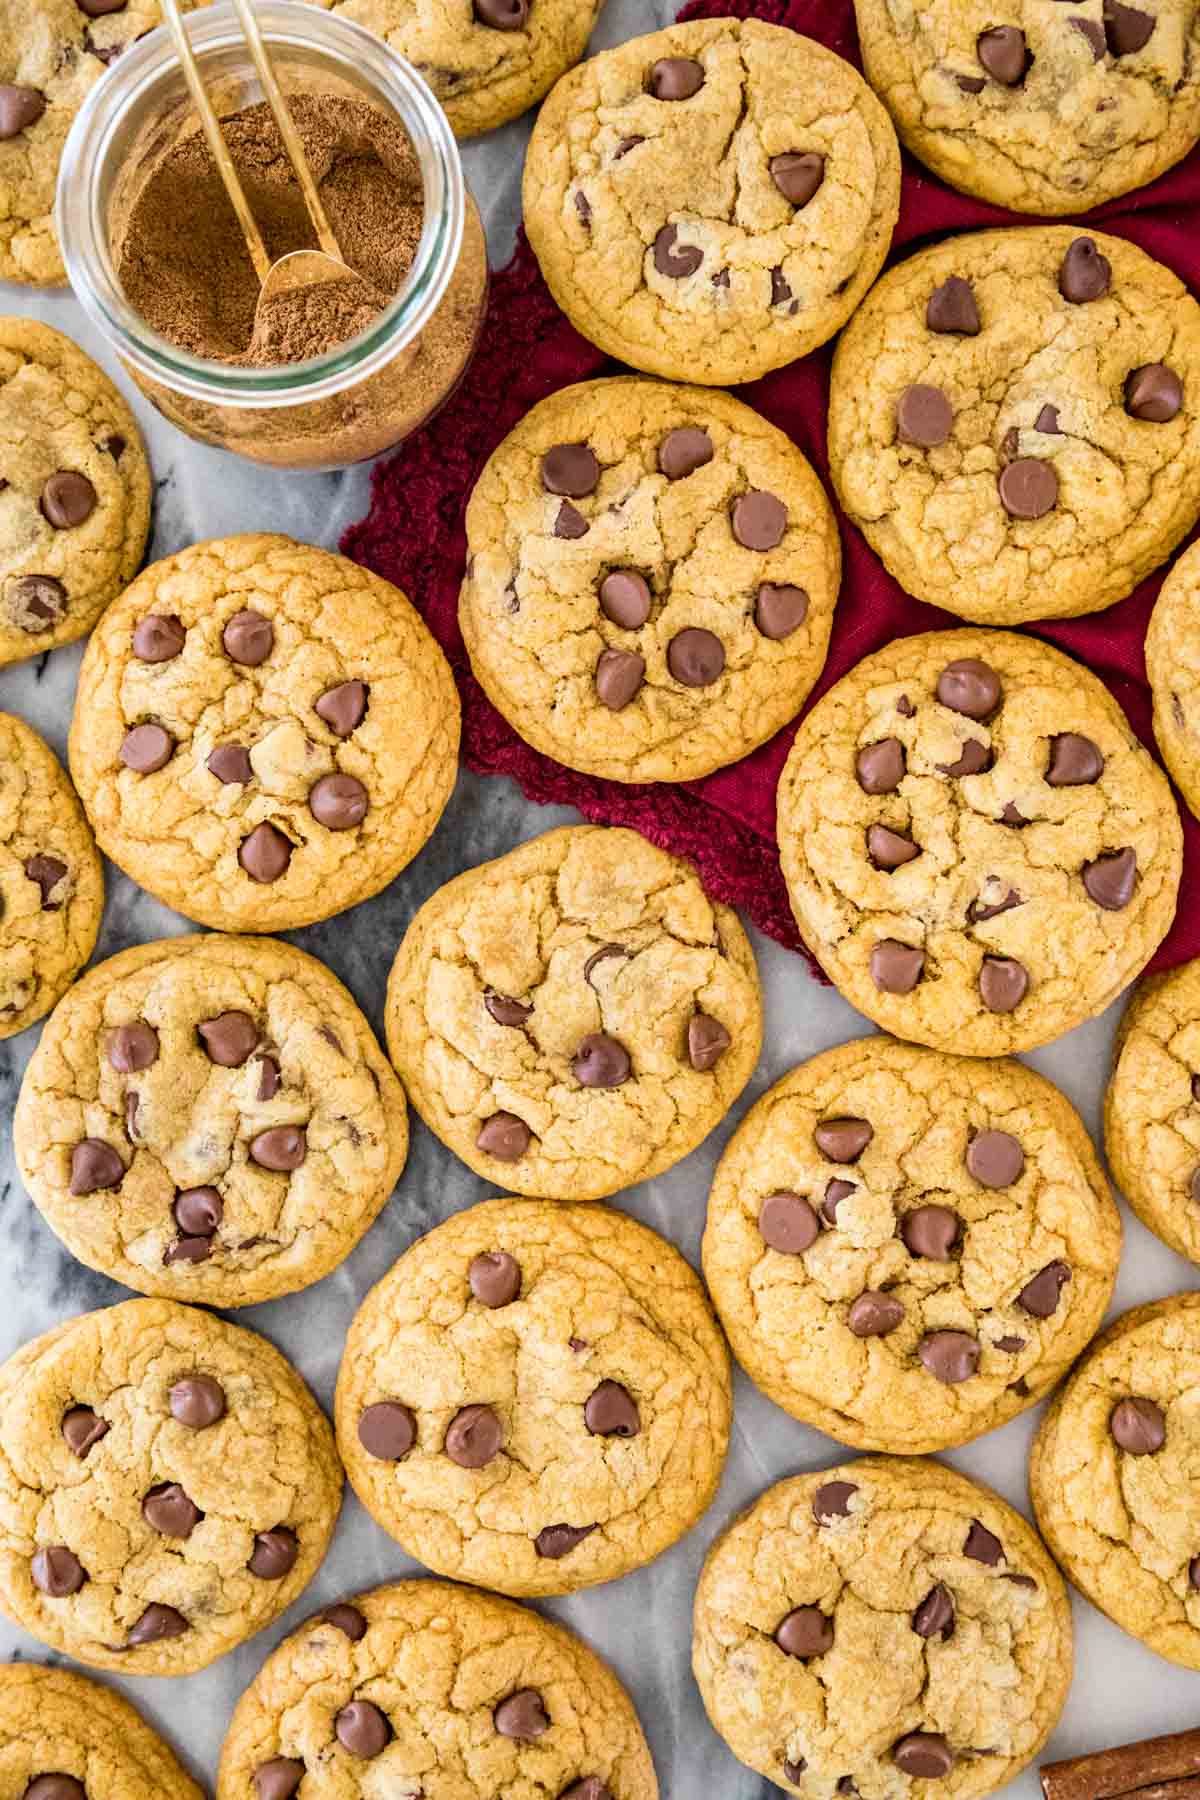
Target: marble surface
<point>641,1623</point>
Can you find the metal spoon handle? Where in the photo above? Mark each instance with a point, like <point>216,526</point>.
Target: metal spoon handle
<point>287,128</point>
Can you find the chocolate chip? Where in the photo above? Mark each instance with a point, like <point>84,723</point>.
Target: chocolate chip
<point>168,1509</point>
<point>675,78</point>
<point>68,499</point>
<point>339,802</point>
<point>695,657</point>
<point>1047,422</point>
<point>605,953</point>
<point>387,1430</point>
<point>611,1411</point>
<point>625,599</point>
<point>95,1167</point>
<point>115,445</point>
<point>951,308</point>
<point>759,520</point>
<point>874,1314</point>
<point>197,1402</point>
<point>46,872</point>
<point>1074,761</point>
<point>268,1078</point>
<point>1003,53</point>
<point>282,1148</point>
<point>278,1779</point>
<point>923,1755</point>
<point>896,968</point>
<point>1028,488</point>
<point>20,107</point>
<point>1084,274</point>
<point>362,1730</point>
<point>798,174</point>
<point>570,523</point>
<point>1126,29</point>
<point>155,1625</point>
<point>707,1041</point>
<point>978,911</point>
<point>556,1541</point>
<point>934,1617</point>
<point>780,610</point>
<point>787,1223</point>
<point>781,291</point>
<point>146,749</point>
<point>1110,880</point>
<point>198,1211</point>
<point>835,1192</point>
<point>83,1429</point>
<point>1093,32</point>
<point>1003,983</point>
<point>229,1038</point>
<point>625,146</point>
<point>924,416</point>
<point>583,206</point>
<point>843,1140</point>
<point>949,1356</point>
<point>98,9</point>
<point>1041,1296</point>
<point>683,451</point>
<point>274,1554</point>
<point>890,849</point>
<point>265,854</point>
<point>832,1500</point>
<point>982,1545</point>
<point>931,1231</point>
<point>975,759</point>
<point>619,676</point>
<point>522,1716</point>
<point>159,637</point>
<point>505,1011</point>
<point>248,638</point>
<point>132,1103</point>
<point>970,84</point>
<point>794,1768</point>
<point>590,1788</point>
<point>346,1619</point>
<point>1194,1572</point>
<point>37,601</point>
<point>1194,1186</point>
<point>132,1048</point>
<point>880,767</point>
<point>230,763</point>
<point>1011,1346</point>
<point>970,687</point>
<point>344,707</point>
<point>1138,1426</point>
<point>504,1136</point>
<point>995,1159</point>
<point>57,1571</point>
<point>675,260</point>
<point>473,1437</point>
<point>55,1787</point>
<point>806,1631</point>
<point>188,1250</point>
<point>1153,392</point>
<point>570,469</point>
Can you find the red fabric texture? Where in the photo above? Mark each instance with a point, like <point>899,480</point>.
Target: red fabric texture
<point>725,823</point>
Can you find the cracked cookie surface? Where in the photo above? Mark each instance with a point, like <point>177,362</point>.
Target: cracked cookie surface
<point>568,1390</point>
<point>1014,421</point>
<point>168,1486</point>
<point>427,1689</point>
<point>56,1723</point>
<point>74,488</point>
<point>575,1016</point>
<point>486,60</point>
<point>675,611</point>
<point>264,733</point>
<point>711,201</point>
<point>906,1249</point>
<point>1039,107</point>
<point>51,882</point>
<point>210,1119</point>
<point>927,1646</point>
<point>1112,1476</point>
<point>976,846</point>
<point>1152,1108</point>
<point>1173,666</point>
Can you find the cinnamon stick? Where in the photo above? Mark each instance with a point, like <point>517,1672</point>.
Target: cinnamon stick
<point>1161,1768</point>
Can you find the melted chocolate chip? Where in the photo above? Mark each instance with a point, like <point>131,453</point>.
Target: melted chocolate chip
<point>387,1430</point>
<point>787,1223</point>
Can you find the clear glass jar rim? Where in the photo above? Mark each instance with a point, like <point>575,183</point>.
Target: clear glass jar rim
<point>84,240</point>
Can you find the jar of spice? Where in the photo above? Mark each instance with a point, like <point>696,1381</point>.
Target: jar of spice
<point>332,375</point>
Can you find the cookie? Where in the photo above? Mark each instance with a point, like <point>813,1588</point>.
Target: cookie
<point>51,882</point>
<point>712,201</point>
<point>63,1737</point>
<point>907,1249</point>
<point>671,613</point>
<point>1040,108</point>
<point>264,733</point>
<point>536,1398</point>
<point>576,1016</point>
<point>976,846</point>
<point>486,60</point>
<point>210,1119</point>
<point>884,1628</point>
<point>1173,666</point>
<point>168,1486</point>
<point>1014,421</point>
<point>1152,1108</point>
<point>74,484</point>
<point>1112,1476</point>
<point>426,1689</point>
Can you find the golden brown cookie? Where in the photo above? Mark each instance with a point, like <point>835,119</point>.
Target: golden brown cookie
<point>264,733</point>
<point>536,1397</point>
<point>908,1248</point>
<point>711,201</point>
<point>1173,667</point>
<point>976,846</point>
<point>674,611</point>
<point>63,1737</point>
<point>575,1016</point>
<point>1152,1107</point>
<point>210,1119</point>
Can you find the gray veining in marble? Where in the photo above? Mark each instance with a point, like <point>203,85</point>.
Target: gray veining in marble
<point>641,1623</point>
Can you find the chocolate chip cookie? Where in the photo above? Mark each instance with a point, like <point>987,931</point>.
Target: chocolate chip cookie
<point>1045,109</point>
<point>486,60</point>
<point>536,1397</point>
<point>168,1484</point>
<point>575,1016</point>
<point>712,201</point>
<point>883,1628</point>
<point>264,733</point>
<point>426,1689</point>
<point>651,579</point>
<point>63,1737</point>
<point>1152,1108</point>
<point>51,883</point>
<point>1173,666</point>
<point>1014,421</point>
<point>1113,1476</point>
<point>976,846</point>
<point>210,1119</point>
<point>906,1248</point>
<point>74,485</point>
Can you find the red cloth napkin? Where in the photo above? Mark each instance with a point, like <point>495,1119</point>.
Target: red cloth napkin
<point>725,823</point>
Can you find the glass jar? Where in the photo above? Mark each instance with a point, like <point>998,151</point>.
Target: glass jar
<point>358,399</point>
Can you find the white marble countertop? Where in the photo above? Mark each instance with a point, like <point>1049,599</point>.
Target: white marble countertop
<point>642,1624</point>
